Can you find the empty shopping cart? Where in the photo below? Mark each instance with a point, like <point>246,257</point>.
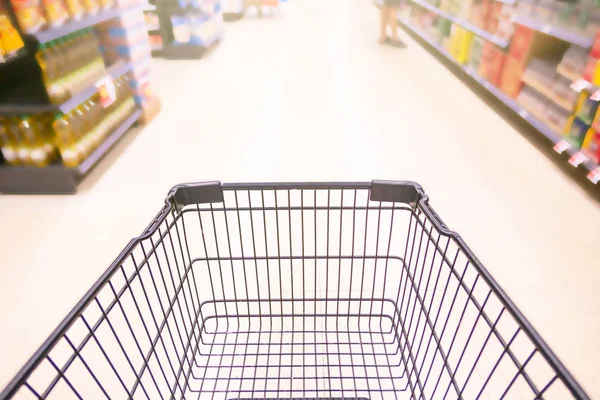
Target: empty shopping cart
<point>300,290</point>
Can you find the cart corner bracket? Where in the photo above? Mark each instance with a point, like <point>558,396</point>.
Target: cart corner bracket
<point>196,193</point>
<point>396,191</point>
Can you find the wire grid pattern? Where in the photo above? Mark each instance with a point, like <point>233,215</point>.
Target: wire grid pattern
<point>280,293</point>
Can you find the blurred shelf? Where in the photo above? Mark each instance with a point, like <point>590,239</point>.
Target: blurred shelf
<point>557,32</point>
<point>56,178</point>
<point>545,130</point>
<point>148,7</point>
<point>567,73</point>
<point>548,93</point>
<point>467,25</point>
<point>70,27</point>
<point>23,105</point>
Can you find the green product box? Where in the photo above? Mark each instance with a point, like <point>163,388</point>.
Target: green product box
<point>577,133</point>
<point>475,53</point>
<point>444,27</point>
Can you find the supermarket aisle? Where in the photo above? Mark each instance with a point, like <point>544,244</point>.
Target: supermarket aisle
<point>310,96</point>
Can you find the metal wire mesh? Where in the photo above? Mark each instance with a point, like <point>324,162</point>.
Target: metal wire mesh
<point>295,292</point>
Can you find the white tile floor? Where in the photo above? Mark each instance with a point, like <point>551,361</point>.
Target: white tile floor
<point>310,96</point>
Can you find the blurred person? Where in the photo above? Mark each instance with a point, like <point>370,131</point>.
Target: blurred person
<point>389,13</point>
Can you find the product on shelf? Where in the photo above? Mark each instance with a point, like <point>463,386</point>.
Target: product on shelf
<point>476,52</point>
<point>527,44</point>
<point>10,40</point>
<point>156,42</point>
<point>496,66</point>
<point>29,15</point>
<point>511,82</point>
<point>82,130</point>
<point>152,23</point>
<point>573,63</point>
<point>25,140</point>
<point>591,145</point>
<point>92,7</point>
<point>577,132</point>
<point>76,9</point>
<point>56,12</point>
<point>124,38</point>
<point>70,64</point>
<point>557,118</point>
<point>586,110</point>
<point>579,16</point>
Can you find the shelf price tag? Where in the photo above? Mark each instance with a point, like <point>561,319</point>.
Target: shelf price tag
<point>106,89</point>
<point>561,146</point>
<point>594,175</point>
<point>577,158</point>
<point>580,85</point>
<point>596,95</point>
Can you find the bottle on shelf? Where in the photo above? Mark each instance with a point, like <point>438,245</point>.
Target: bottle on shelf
<point>29,15</point>
<point>91,6</point>
<point>7,144</point>
<point>76,9</point>
<point>9,37</point>
<point>56,12</point>
<point>33,142</point>
<point>65,140</point>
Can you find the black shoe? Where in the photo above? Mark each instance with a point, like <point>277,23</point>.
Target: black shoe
<point>396,43</point>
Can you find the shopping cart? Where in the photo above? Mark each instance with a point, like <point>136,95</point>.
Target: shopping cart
<point>302,290</point>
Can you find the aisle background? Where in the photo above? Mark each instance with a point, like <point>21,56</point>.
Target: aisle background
<point>311,96</point>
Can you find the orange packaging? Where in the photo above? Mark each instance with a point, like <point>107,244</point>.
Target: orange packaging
<point>591,69</point>
<point>520,43</point>
<point>595,51</point>
<point>29,14</point>
<point>496,67</point>
<point>487,54</point>
<point>511,83</point>
<point>527,44</point>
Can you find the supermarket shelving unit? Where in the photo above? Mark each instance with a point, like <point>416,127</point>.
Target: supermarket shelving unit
<point>153,30</point>
<point>175,51</point>
<point>56,178</point>
<point>30,97</point>
<point>70,27</point>
<point>18,106</point>
<point>557,32</point>
<point>561,146</point>
<point>467,25</point>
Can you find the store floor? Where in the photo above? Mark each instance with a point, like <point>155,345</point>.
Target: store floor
<point>310,96</point>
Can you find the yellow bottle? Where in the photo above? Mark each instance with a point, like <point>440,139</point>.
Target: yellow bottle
<point>11,40</point>
<point>54,67</point>
<point>65,140</point>
<point>9,151</point>
<point>33,142</point>
<point>43,123</point>
<point>76,9</point>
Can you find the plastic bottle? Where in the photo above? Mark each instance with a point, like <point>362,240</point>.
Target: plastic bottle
<point>56,12</point>
<point>92,7</point>
<point>76,9</point>
<point>9,150</point>
<point>54,70</point>
<point>65,140</point>
<point>9,36</point>
<point>33,141</point>
<point>29,14</point>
